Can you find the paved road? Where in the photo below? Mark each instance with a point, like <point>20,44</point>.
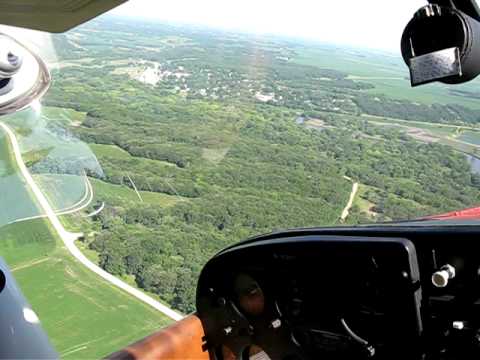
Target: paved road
<point>69,238</point>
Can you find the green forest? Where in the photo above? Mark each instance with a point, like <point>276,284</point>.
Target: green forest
<point>242,136</point>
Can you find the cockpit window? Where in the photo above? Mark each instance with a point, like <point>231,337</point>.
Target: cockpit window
<point>165,138</point>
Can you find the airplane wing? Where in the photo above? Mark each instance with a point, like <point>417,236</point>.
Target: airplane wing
<point>52,15</point>
<point>465,214</point>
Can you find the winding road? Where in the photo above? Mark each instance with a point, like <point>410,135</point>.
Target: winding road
<point>69,238</point>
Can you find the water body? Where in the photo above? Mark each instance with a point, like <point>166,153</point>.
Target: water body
<point>300,120</point>
<point>474,163</point>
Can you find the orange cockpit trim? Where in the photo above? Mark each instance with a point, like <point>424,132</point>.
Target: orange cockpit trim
<point>184,340</point>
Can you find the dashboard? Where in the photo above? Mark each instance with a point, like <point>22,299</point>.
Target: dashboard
<point>344,294</point>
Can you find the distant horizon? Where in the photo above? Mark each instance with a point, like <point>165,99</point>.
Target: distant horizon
<point>372,25</point>
<point>179,24</point>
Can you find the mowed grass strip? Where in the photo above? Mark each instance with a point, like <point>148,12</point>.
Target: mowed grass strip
<point>121,194</point>
<point>84,316</point>
<point>105,152</point>
<point>65,115</point>
<point>112,151</point>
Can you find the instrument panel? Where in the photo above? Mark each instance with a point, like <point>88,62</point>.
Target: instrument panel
<point>341,297</point>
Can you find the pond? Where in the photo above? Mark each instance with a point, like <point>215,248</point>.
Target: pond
<point>474,163</point>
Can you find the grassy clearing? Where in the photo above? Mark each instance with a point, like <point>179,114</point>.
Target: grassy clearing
<point>214,155</point>
<point>84,316</point>
<point>118,195</point>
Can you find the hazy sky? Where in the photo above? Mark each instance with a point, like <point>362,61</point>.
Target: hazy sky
<point>366,23</point>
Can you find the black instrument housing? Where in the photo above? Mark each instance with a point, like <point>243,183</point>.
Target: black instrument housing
<point>439,27</point>
<point>341,293</point>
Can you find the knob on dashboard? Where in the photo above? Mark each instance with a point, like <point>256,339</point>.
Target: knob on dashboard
<point>441,277</point>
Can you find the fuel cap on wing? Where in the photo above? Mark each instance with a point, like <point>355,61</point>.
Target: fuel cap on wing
<point>24,77</point>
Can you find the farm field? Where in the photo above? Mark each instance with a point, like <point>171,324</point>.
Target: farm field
<point>385,71</point>
<point>84,316</point>
<point>15,200</point>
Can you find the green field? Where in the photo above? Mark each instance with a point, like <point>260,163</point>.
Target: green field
<point>387,72</point>
<point>351,61</point>
<point>62,191</point>
<point>13,190</point>
<point>84,316</point>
